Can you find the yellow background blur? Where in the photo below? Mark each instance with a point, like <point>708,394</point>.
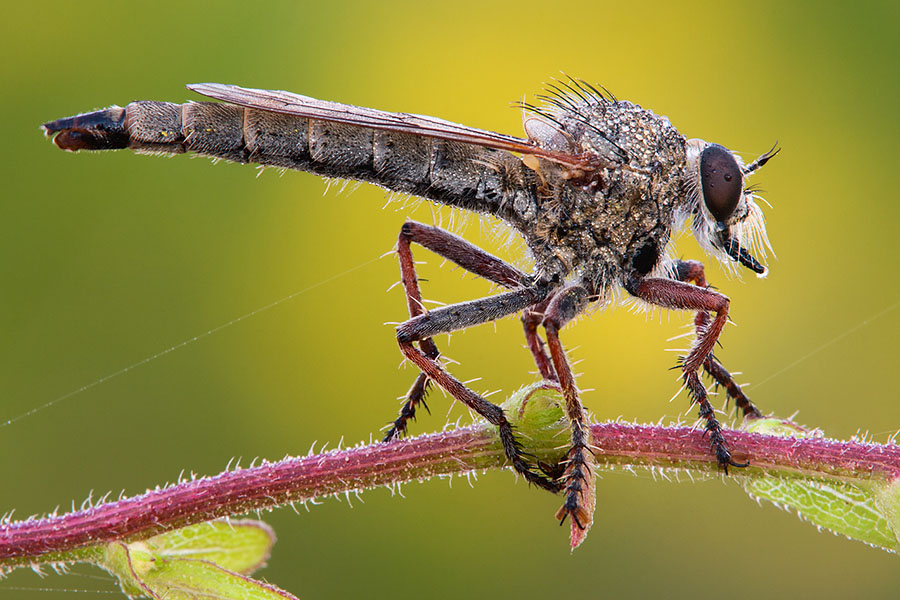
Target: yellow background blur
<point>110,258</point>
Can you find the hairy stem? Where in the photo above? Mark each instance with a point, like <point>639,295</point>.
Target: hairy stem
<point>68,536</point>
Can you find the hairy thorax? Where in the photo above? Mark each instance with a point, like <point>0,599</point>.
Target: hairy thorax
<point>603,228</point>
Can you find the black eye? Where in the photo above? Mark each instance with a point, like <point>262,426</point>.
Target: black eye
<point>722,181</point>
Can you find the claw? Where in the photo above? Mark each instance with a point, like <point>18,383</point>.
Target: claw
<point>580,495</point>
<point>579,515</point>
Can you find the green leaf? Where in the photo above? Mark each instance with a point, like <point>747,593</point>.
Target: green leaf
<point>864,510</point>
<point>209,560</point>
<point>242,546</point>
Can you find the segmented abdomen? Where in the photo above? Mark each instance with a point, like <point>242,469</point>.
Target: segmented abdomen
<point>454,173</point>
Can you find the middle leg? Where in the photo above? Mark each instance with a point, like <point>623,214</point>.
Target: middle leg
<point>531,320</point>
<point>578,478</point>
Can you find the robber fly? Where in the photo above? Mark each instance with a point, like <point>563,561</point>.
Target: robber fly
<point>595,189</point>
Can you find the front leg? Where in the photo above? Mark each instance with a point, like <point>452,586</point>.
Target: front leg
<point>578,478</point>
<point>682,296</point>
<point>692,271</point>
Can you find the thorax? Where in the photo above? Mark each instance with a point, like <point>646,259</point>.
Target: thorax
<point>600,229</point>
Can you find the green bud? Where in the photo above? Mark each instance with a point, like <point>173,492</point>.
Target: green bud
<point>536,413</point>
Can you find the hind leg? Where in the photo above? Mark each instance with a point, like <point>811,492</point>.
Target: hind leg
<point>424,325</point>
<point>464,254</point>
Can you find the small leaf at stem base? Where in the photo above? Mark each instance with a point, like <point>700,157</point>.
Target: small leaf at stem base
<point>209,560</point>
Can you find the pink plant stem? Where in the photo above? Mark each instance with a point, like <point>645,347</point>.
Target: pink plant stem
<point>300,479</point>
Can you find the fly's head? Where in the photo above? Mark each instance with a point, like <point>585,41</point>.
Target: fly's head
<point>726,218</point>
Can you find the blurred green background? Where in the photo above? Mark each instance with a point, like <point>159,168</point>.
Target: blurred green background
<point>110,258</point>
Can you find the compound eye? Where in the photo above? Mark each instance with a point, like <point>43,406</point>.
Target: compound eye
<point>722,181</point>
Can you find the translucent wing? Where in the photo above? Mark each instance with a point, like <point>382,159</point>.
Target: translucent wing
<point>311,108</point>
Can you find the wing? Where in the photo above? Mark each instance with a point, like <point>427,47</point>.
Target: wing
<point>304,106</point>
